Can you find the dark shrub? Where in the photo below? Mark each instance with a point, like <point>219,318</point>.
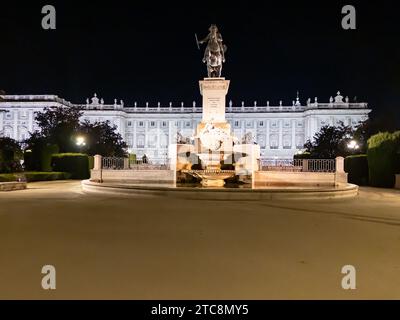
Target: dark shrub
<point>10,154</point>
<point>383,159</point>
<point>10,166</point>
<point>357,168</point>
<point>77,164</point>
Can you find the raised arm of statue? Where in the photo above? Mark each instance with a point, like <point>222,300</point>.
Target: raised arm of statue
<point>205,39</point>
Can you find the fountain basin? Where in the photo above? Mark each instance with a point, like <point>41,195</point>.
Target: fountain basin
<point>211,178</point>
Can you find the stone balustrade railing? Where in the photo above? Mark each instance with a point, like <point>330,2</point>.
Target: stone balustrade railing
<point>300,165</point>
<point>243,109</point>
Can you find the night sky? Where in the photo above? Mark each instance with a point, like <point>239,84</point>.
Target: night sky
<point>146,51</point>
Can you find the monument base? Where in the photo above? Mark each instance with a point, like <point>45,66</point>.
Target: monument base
<point>212,183</point>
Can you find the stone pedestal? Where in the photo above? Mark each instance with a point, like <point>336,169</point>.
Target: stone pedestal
<point>214,91</point>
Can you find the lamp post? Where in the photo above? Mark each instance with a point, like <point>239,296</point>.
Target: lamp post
<point>80,142</point>
<point>353,145</point>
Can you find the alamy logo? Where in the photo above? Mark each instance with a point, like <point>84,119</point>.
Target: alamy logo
<point>349,20</point>
<point>49,20</point>
<point>349,280</point>
<point>49,280</point>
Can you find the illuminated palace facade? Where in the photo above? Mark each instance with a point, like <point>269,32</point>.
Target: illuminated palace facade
<point>280,130</point>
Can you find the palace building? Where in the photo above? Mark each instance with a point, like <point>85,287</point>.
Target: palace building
<point>280,130</point>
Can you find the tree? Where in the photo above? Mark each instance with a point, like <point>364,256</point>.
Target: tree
<point>330,142</point>
<point>372,126</point>
<point>103,139</point>
<point>59,126</point>
<point>10,155</point>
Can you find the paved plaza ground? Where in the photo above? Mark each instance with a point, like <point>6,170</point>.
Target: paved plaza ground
<point>117,247</point>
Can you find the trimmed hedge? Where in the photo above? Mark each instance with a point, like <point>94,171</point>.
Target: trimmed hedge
<point>357,168</point>
<point>46,156</point>
<point>77,164</point>
<point>8,177</point>
<point>384,159</point>
<point>39,159</point>
<point>34,176</point>
<point>91,162</point>
<point>132,158</point>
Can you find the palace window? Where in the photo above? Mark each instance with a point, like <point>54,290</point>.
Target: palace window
<point>152,142</point>
<point>300,142</point>
<point>129,123</point>
<point>287,143</point>
<point>141,124</point>
<point>23,114</point>
<point>152,124</point>
<point>129,140</point>
<point>237,124</point>
<point>164,141</point>
<point>261,124</point>
<point>164,124</point>
<point>140,141</point>
<point>274,141</point>
<point>187,124</point>
<point>261,141</point>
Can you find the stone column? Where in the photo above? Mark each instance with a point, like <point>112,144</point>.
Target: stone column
<point>146,137</point>
<point>280,138</point>
<point>15,124</point>
<point>97,162</point>
<point>293,134</point>
<point>126,163</point>
<point>96,174</point>
<point>340,175</point>
<point>134,145</point>
<point>339,164</point>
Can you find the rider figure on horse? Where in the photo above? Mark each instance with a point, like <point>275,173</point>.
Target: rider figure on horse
<point>214,54</point>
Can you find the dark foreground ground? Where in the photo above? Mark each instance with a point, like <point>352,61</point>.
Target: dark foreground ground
<point>160,248</point>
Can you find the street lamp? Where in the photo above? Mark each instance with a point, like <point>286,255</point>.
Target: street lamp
<point>353,145</point>
<point>80,141</point>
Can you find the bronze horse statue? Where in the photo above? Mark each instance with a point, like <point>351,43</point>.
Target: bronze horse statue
<point>214,54</point>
